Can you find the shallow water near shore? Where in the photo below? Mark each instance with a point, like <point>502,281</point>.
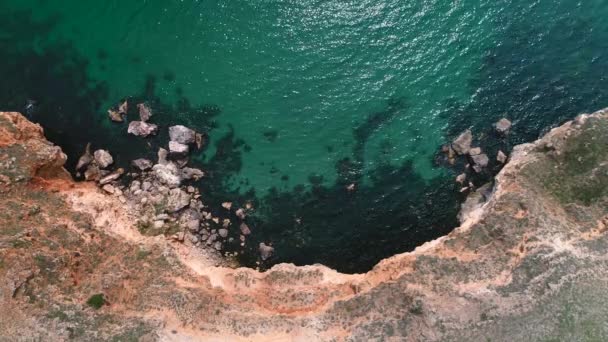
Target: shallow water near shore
<point>303,98</point>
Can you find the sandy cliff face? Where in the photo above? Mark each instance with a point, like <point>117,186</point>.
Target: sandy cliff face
<point>528,264</point>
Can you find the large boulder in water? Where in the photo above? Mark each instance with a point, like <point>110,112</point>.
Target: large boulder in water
<point>178,148</point>
<point>182,134</point>
<point>103,158</point>
<point>142,129</point>
<point>462,144</point>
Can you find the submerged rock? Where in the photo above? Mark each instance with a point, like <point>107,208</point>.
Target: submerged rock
<point>501,157</point>
<point>142,164</point>
<point>503,126</point>
<point>479,162</point>
<point>190,173</point>
<point>145,113</point>
<point>266,251</point>
<point>85,159</point>
<point>142,129</point>
<point>182,134</point>
<point>123,108</point>
<point>115,115</point>
<point>244,229</point>
<point>103,158</point>
<point>462,144</point>
<point>475,151</point>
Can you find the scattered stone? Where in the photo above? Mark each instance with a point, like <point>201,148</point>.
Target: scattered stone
<point>200,140</point>
<point>217,245</point>
<point>226,223</point>
<point>167,174</point>
<point>145,113</point>
<point>142,129</point>
<point>163,217</point>
<point>162,156</point>
<point>193,238</point>
<point>266,251</point>
<point>85,159</point>
<point>146,186</point>
<point>182,135</point>
<point>115,115</point>
<point>92,173</point>
<point>108,188</point>
<point>227,205</point>
<point>248,205</point>
<point>245,229</point>
<point>503,126</point>
<point>462,144</point>
<point>181,162</point>
<point>240,213</point>
<point>122,199</point>
<point>461,178</point>
<point>475,151</point>
<point>179,236</point>
<point>190,173</point>
<point>177,200</point>
<point>103,158</point>
<point>479,162</point>
<point>501,157</point>
<point>178,148</point>
<point>142,164</point>
<point>111,177</point>
<point>223,232</point>
<point>158,224</point>
<point>193,225</point>
<point>123,108</point>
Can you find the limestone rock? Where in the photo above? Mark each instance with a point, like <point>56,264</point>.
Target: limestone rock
<point>177,200</point>
<point>145,113</point>
<point>475,151</point>
<point>244,229</point>
<point>501,157</point>
<point>111,177</point>
<point>266,251</point>
<point>162,156</point>
<point>189,173</point>
<point>480,161</point>
<point>167,174</point>
<point>85,159</point>
<point>462,144</point>
<point>142,129</point>
<point>182,134</point>
<point>503,126</point>
<point>142,164</point>
<point>115,116</point>
<point>103,158</point>
<point>178,148</point>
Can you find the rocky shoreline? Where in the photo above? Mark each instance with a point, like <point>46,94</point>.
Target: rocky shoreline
<point>163,193</point>
<point>528,262</point>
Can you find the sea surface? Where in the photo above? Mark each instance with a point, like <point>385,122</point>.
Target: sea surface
<point>302,98</point>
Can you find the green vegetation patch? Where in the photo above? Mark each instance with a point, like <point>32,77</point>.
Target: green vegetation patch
<point>96,301</point>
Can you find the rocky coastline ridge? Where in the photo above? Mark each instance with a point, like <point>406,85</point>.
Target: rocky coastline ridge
<point>527,263</point>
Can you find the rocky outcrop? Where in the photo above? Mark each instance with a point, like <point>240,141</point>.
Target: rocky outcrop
<point>527,263</point>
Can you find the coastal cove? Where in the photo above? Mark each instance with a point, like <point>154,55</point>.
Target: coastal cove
<point>305,98</point>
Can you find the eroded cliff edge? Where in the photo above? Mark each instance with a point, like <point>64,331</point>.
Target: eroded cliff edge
<point>528,264</point>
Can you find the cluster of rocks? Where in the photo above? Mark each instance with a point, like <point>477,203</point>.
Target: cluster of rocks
<point>162,194</point>
<point>475,157</point>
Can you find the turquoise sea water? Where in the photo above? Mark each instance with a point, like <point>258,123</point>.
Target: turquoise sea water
<point>302,98</point>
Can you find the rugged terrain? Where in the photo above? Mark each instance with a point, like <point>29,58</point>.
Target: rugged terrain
<point>529,262</point>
